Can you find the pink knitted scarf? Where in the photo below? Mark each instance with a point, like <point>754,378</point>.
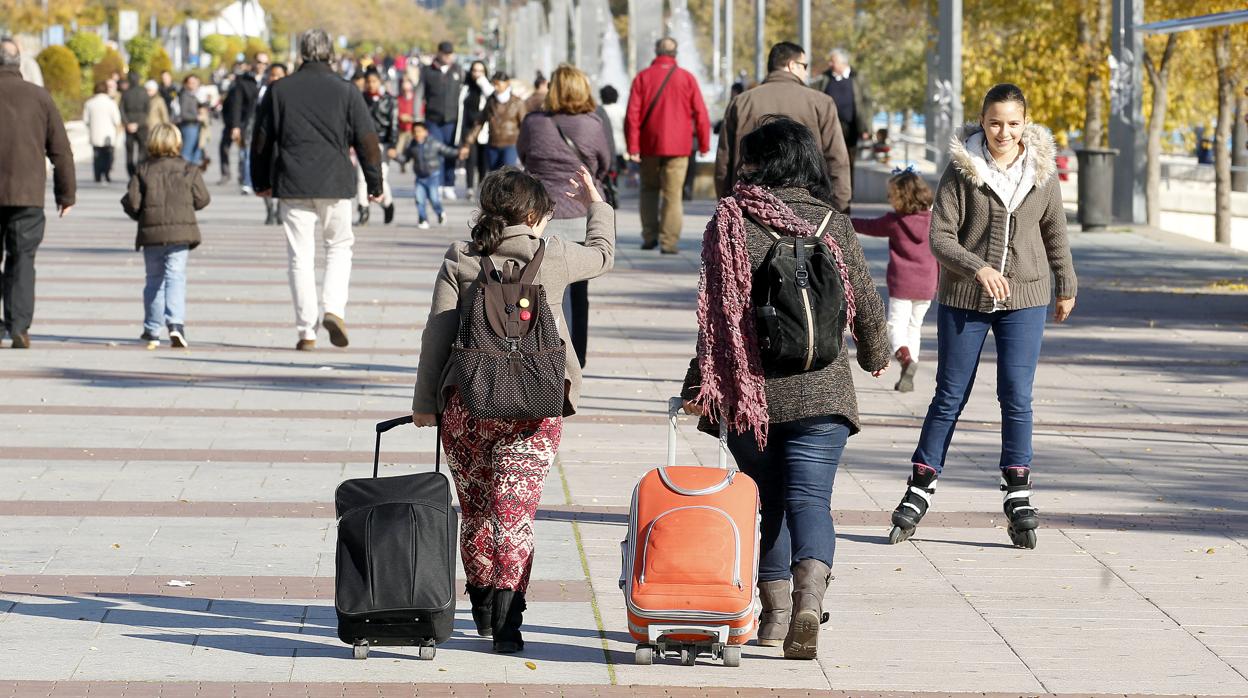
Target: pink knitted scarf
<point>733,385</point>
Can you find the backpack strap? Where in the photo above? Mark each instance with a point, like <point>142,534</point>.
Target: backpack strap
<point>534,265</point>
<point>771,231</point>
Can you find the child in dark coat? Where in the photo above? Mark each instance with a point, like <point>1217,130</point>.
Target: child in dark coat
<point>912,269</point>
<point>163,196</point>
<point>426,155</point>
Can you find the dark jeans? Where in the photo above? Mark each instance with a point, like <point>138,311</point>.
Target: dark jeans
<point>500,157</point>
<point>446,134</point>
<point>795,474</point>
<point>223,151</point>
<point>103,163</point>
<point>21,231</point>
<point>136,149</point>
<point>960,337</point>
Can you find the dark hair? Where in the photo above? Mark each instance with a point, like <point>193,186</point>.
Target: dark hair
<point>485,70</point>
<point>665,47</point>
<point>507,197</point>
<point>1004,92</point>
<point>540,81</point>
<point>446,47</point>
<point>912,193</point>
<point>782,54</point>
<point>420,124</point>
<point>278,65</point>
<point>101,88</point>
<point>609,94</point>
<point>372,72</point>
<point>782,153</point>
<point>500,76</point>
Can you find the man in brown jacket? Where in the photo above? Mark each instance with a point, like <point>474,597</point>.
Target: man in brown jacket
<point>32,130</point>
<point>784,92</point>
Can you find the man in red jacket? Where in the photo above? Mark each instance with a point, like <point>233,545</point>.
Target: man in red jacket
<point>664,108</point>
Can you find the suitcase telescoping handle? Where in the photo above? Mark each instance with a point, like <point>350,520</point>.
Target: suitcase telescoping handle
<point>675,408</point>
<point>383,427</point>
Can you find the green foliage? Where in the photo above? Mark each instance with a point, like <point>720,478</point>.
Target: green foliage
<point>214,45</point>
<point>61,74</point>
<point>88,48</point>
<point>159,64</point>
<point>142,48</point>
<point>111,63</point>
<point>70,106</point>
<point>254,45</point>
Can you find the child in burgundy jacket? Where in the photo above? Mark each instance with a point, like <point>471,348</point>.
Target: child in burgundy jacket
<point>912,269</point>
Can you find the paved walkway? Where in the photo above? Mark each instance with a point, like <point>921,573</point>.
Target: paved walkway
<point>127,470</point>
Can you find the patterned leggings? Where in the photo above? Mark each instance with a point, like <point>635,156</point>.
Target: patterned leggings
<point>499,467</point>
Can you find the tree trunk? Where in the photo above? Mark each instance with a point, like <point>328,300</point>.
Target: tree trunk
<point>1222,154</point>
<point>1093,31</point>
<point>1239,145</point>
<point>1158,77</point>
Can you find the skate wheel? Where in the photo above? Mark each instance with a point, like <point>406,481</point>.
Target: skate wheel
<point>360,650</point>
<point>688,656</point>
<point>427,652</point>
<point>732,656</point>
<point>1024,539</point>
<point>899,535</point>
<point>643,655</point>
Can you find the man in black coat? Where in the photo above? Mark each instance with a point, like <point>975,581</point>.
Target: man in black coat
<point>134,107</point>
<point>439,88</point>
<point>239,111</point>
<point>853,104</point>
<point>304,130</point>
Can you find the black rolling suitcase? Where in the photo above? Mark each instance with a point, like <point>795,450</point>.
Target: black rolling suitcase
<point>395,572</point>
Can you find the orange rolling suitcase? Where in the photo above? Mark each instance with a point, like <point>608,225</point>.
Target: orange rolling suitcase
<point>690,561</point>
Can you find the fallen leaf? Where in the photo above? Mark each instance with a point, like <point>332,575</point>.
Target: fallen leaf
<point>1210,551</point>
<point>531,666</point>
<point>897,570</point>
<point>117,545</point>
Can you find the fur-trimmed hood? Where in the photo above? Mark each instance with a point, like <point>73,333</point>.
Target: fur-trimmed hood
<point>1037,141</point>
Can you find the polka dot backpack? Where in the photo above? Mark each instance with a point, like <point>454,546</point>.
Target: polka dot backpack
<point>509,359</point>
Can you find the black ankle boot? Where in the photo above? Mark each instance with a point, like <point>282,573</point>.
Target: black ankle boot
<point>482,607</point>
<point>507,616</point>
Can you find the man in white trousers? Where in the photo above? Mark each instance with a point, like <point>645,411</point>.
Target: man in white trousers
<point>305,128</point>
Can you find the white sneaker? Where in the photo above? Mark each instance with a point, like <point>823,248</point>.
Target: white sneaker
<point>423,225</point>
<point>248,191</point>
<point>449,194</point>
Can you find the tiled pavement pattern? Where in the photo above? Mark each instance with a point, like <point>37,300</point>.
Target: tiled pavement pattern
<point>125,469</point>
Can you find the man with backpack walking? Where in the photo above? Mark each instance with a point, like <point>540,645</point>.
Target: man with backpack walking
<point>313,118</point>
<point>664,102</point>
<point>784,93</point>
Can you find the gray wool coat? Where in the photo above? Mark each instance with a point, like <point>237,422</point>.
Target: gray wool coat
<point>830,390</point>
<point>563,264</point>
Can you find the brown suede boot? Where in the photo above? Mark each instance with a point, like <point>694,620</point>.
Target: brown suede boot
<point>810,582</point>
<point>773,622</point>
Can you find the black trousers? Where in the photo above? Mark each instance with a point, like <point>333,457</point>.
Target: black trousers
<point>477,166</point>
<point>21,231</point>
<point>136,149</point>
<point>578,324</point>
<point>103,163</point>
<point>224,152</point>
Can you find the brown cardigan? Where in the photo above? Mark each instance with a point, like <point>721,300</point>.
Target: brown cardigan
<point>972,229</point>
<point>564,264</point>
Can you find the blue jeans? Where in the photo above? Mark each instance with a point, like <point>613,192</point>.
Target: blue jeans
<point>164,294</point>
<point>795,474</point>
<point>446,134</point>
<point>498,158</point>
<point>960,336</point>
<point>427,189</point>
<point>244,160</point>
<point>190,143</point>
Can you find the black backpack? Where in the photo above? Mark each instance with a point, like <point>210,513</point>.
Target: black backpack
<point>509,360</point>
<point>799,303</point>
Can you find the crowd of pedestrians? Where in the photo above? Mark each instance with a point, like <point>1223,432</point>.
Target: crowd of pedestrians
<point>989,244</point>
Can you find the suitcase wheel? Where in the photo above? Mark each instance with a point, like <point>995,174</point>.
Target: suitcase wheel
<point>688,655</point>
<point>360,650</point>
<point>643,655</point>
<point>732,655</point>
<point>428,652</point>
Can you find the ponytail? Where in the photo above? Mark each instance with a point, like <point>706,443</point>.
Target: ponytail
<point>507,197</point>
